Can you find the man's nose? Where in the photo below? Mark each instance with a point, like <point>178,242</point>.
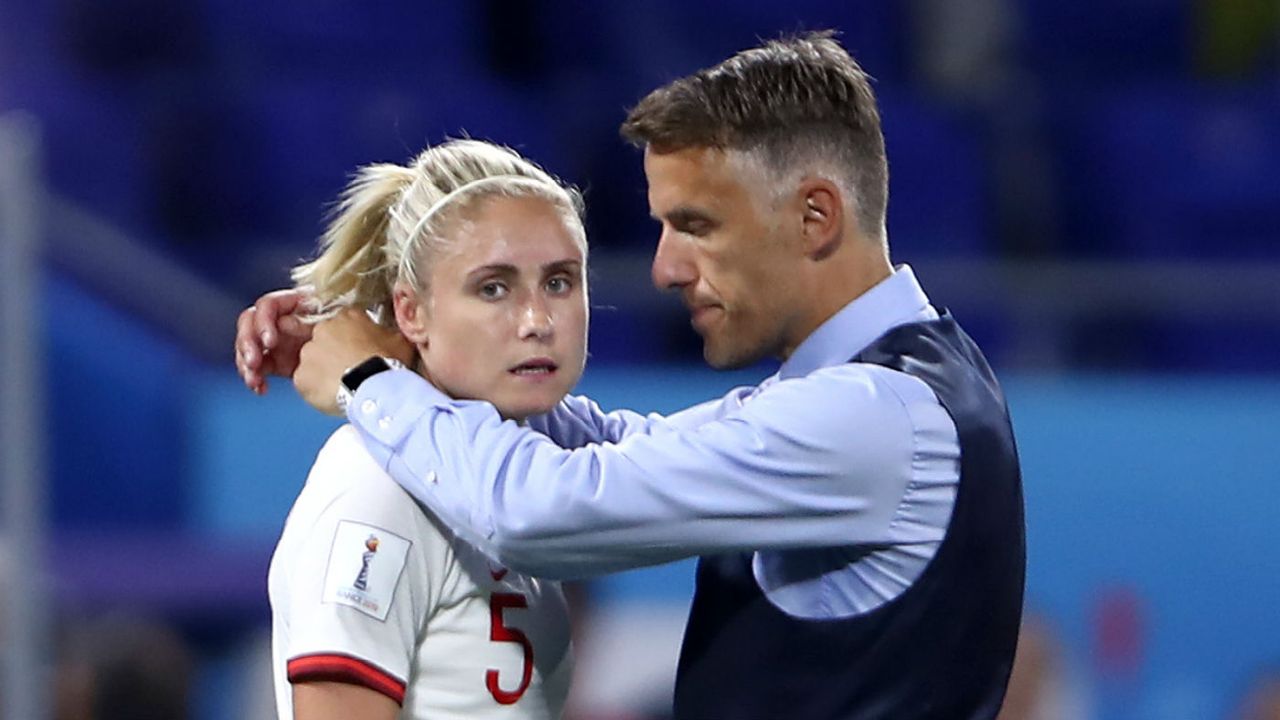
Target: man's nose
<point>672,262</point>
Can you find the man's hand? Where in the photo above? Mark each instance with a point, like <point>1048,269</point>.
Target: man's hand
<point>269,336</point>
<point>336,345</point>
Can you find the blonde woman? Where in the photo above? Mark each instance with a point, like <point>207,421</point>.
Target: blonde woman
<point>478,257</point>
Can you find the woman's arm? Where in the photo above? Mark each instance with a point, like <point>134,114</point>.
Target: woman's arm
<point>351,585</point>
<point>341,701</point>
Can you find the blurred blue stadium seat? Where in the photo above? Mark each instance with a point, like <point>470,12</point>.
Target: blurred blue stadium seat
<point>1100,42</point>
<point>1238,346</point>
<point>344,39</point>
<point>313,132</point>
<point>1176,170</point>
<point>93,141</point>
<point>874,31</point>
<point>937,179</point>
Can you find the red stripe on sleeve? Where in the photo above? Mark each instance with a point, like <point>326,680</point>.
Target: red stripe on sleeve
<point>328,667</point>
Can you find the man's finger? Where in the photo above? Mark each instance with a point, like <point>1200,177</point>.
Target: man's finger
<point>249,375</point>
<point>259,386</point>
<point>268,311</point>
<point>264,322</point>
<point>246,343</point>
<point>290,325</point>
<point>250,355</point>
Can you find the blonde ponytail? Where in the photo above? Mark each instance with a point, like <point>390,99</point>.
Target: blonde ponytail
<point>352,269</point>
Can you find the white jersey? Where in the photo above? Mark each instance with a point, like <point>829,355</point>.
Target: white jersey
<point>368,588</point>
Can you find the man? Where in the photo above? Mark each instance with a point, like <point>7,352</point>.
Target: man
<point>859,514</point>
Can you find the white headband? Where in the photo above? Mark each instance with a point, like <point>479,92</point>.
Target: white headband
<point>456,193</point>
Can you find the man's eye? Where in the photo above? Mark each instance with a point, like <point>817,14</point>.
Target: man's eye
<point>493,290</point>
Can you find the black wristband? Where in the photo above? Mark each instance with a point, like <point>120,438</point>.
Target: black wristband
<point>357,374</point>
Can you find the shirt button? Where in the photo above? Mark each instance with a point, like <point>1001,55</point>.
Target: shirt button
<point>432,478</point>
<point>384,423</point>
<point>368,406</point>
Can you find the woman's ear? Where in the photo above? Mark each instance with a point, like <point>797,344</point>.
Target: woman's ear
<point>411,316</point>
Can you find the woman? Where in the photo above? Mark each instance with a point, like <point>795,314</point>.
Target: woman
<point>478,257</point>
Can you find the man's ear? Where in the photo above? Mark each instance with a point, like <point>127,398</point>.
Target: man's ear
<point>822,216</point>
<point>411,315</point>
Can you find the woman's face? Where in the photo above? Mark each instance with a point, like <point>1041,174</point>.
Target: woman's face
<point>505,312</point>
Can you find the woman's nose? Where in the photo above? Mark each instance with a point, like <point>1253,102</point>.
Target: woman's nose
<point>536,320</point>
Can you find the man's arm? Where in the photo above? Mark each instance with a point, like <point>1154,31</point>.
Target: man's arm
<point>817,461</point>
<point>578,420</point>
<point>272,339</point>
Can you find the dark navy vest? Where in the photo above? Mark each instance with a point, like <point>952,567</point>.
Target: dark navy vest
<point>944,648</point>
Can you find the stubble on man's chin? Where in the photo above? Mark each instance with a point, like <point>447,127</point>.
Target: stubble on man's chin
<point>729,360</point>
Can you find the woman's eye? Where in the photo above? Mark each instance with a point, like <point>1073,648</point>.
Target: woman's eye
<point>493,290</point>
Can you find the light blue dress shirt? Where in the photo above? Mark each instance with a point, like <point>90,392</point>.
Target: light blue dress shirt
<point>839,476</point>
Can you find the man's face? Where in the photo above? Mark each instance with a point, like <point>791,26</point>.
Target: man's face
<point>729,249</point>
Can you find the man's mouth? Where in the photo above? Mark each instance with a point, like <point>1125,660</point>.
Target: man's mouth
<point>699,315</point>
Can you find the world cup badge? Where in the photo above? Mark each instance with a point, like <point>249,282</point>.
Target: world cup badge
<point>365,564</point>
<point>371,549</point>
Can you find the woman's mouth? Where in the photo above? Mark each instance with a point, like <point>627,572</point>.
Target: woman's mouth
<point>535,368</point>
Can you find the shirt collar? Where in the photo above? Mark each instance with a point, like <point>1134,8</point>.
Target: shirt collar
<point>896,300</point>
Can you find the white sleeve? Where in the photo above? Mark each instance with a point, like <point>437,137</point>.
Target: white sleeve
<point>360,590</point>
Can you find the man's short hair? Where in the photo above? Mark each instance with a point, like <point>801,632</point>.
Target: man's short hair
<point>799,103</point>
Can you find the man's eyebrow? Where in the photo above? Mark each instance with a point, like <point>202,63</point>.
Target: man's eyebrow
<point>684,215</point>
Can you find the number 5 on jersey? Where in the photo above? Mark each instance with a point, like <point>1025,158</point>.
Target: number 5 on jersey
<point>499,603</point>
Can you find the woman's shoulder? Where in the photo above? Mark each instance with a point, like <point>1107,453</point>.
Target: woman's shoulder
<point>346,482</point>
<point>344,447</point>
<point>343,464</point>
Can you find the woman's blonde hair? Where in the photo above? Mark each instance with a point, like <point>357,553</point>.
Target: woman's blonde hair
<point>390,216</point>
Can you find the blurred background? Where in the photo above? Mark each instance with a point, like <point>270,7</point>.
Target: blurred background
<point>1092,187</point>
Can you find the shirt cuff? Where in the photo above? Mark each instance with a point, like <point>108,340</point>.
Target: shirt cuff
<point>389,404</point>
